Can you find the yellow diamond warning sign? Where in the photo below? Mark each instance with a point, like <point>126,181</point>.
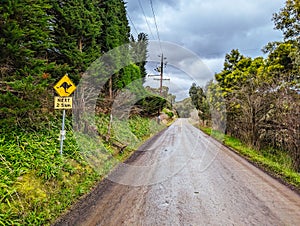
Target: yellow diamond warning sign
<point>65,87</point>
<point>62,102</point>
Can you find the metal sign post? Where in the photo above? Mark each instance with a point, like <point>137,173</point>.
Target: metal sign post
<point>64,88</point>
<point>62,132</point>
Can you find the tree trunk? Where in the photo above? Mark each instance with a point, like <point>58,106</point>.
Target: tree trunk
<point>110,89</point>
<point>80,44</point>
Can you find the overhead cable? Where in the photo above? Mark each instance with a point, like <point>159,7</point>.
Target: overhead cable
<point>149,27</point>
<point>151,4</point>
<point>132,24</point>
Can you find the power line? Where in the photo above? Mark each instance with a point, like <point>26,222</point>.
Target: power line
<point>162,55</point>
<point>151,4</point>
<point>132,24</point>
<point>146,18</point>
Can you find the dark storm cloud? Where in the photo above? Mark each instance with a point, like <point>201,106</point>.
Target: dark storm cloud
<point>209,28</point>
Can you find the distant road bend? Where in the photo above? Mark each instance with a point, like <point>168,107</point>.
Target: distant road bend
<point>190,180</point>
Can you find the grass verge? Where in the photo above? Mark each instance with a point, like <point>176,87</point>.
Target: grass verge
<point>37,184</point>
<point>277,163</point>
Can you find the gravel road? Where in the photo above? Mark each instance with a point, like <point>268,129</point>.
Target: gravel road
<point>183,177</point>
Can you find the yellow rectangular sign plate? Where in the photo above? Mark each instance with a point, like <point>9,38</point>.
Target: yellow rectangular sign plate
<point>63,102</point>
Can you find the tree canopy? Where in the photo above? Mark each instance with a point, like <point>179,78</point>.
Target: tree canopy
<point>40,41</point>
<point>262,95</point>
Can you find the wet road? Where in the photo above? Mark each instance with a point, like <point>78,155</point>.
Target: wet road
<point>183,177</point>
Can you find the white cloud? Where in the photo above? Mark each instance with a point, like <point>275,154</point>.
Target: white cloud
<point>214,64</point>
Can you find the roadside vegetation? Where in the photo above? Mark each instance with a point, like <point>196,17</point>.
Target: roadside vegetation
<point>37,184</point>
<point>256,102</point>
<point>276,162</point>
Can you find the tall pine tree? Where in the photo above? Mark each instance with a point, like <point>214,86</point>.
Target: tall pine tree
<point>76,28</point>
<point>25,39</point>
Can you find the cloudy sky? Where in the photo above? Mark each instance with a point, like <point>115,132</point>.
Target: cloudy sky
<point>206,28</point>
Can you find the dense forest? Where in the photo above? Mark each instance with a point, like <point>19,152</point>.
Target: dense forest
<point>40,41</point>
<point>261,95</point>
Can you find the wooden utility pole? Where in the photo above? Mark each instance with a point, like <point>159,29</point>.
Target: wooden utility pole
<point>161,72</point>
<point>160,69</point>
<point>161,78</point>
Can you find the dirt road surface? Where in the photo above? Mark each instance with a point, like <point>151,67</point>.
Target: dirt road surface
<point>183,177</point>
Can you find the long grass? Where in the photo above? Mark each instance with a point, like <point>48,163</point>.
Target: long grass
<point>33,175</point>
<point>37,184</point>
<point>278,163</point>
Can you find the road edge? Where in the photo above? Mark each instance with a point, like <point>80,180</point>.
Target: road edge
<point>257,165</point>
<point>100,186</point>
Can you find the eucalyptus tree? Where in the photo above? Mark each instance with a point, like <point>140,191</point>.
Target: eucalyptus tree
<point>288,20</point>
<point>199,100</point>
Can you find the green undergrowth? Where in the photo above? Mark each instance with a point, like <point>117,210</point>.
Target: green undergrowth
<point>278,163</point>
<point>131,132</point>
<point>37,184</point>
